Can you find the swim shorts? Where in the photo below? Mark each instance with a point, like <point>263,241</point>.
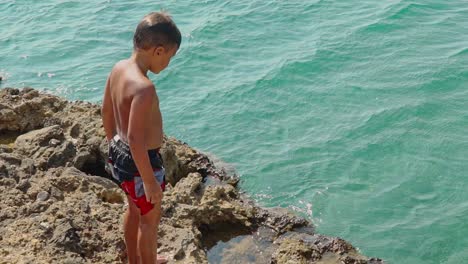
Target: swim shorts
<point>125,172</point>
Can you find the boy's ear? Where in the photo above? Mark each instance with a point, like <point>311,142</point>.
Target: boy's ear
<point>158,51</point>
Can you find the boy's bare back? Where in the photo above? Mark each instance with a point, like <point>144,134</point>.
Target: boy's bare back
<point>127,86</point>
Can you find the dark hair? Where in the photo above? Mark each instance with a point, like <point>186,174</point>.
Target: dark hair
<point>154,30</point>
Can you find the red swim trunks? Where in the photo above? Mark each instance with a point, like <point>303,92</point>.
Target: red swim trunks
<point>137,193</point>
<point>124,171</point>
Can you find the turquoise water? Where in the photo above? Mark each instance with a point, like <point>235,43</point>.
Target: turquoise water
<point>352,113</point>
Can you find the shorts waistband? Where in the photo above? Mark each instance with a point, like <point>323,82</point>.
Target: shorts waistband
<point>124,145</point>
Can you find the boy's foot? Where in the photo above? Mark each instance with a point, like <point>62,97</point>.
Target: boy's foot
<point>161,259</point>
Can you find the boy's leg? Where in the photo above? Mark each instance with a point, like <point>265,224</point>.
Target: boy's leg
<point>131,224</point>
<point>147,241</point>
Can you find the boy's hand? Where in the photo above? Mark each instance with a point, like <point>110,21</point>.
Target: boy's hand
<point>153,192</point>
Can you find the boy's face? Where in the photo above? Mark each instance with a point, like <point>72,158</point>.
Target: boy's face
<point>161,58</point>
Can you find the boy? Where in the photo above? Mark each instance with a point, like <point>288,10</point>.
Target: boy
<point>134,129</point>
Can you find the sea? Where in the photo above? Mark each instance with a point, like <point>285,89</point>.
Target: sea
<point>353,114</point>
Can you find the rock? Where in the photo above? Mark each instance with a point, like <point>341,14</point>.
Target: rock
<point>295,251</point>
<point>38,207</point>
<point>176,159</point>
<point>7,115</point>
<point>82,158</point>
<point>33,191</point>
<point>281,219</point>
<point>27,165</point>
<point>42,196</point>
<point>44,225</point>
<point>180,160</point>
<point>111,196</point>
<point>94,142</point>
<point>66,237</point>
<point>54,142</point>
<point>46,146</point>
<point>11,159</point>
<point>84,206</point>
<point>66,182</point>
<point>5,148</point>
<point>62,155</point>
<point>188,189</point>
<point>56,193</point>
<point>30,94</point>
<point>75,130</point>
<point>23,185</point>
<point>304,248</point>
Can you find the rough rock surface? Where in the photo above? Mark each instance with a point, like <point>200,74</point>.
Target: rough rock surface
<point>57,206</point>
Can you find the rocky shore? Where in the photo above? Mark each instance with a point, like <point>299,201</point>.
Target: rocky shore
<point>58,205</point>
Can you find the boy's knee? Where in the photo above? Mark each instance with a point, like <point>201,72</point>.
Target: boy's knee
<point>147,228</point>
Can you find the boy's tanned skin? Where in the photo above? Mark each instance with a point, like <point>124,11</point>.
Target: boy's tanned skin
<point>131,110</point>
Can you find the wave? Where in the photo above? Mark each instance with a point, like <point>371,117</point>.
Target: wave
<point>460,53</point>
<point>407,10</point>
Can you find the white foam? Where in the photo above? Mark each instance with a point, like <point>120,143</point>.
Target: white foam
<point>4,75</point>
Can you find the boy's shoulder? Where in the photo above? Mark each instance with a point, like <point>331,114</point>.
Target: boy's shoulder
<point>132,78</point>
<point>142,86</point>
<point>119,66</point>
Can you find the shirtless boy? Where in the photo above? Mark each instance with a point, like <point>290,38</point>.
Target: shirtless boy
<point>134,129</point>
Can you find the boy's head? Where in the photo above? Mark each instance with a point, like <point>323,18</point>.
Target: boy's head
<point>158,36</point>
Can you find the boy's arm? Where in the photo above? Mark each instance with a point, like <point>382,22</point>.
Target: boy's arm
<point>137,123</point>
<point>107,112</point>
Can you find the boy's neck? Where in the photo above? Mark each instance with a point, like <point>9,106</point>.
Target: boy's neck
<point>141,61</point>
